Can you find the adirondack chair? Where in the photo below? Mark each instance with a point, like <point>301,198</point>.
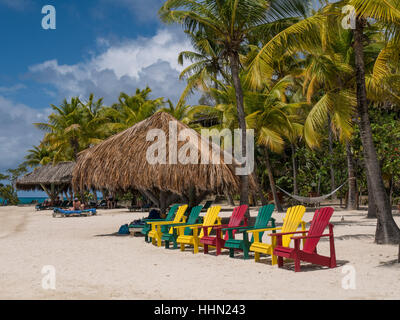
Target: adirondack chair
<point>171,236</point>
<point>192,236</point>
<point>309,253</point>
<point>147,227</point>
<point>158,227</point>
<point>291,222</point>
<point>262,220</point>
<point>218,241</point>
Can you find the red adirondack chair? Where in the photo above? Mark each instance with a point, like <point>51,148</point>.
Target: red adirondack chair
<point>218,241</point>
<point>309,252</point>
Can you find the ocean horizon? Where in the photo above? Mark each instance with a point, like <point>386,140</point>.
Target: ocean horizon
<point>28,200</point>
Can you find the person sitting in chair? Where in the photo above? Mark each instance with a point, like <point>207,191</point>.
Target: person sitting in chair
<point>77,205</point>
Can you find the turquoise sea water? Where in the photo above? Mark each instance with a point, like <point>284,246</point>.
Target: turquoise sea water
<point>28,200</point>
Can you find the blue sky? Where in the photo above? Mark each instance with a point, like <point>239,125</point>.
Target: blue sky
<point>99,46</point>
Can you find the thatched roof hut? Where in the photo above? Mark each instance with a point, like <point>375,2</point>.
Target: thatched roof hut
<point>120,162</point>
<point>48,177</point>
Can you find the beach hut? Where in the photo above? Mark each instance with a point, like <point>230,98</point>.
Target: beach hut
<point>163,159</point>
<point>52,179</point>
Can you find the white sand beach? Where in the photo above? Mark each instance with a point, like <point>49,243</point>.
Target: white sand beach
<point>93,263</point>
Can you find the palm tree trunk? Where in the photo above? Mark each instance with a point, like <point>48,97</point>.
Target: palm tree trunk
<point>272,183</point>
<point>371,201</point>
<point>234,64</point>
<point>352,194</point>
<point>386,229</point>
<point>332,170</point>
<point>294,166</point>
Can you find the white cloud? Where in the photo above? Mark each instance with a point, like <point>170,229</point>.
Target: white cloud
<point>122,67</point>
<point>17,133</point>
<point>17,4</point>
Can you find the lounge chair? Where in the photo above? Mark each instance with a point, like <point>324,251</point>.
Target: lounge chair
<point>218,241</point>
<point>312,236</point>
<point>67,213</point>
<point>170,236</point>
<point>262,220</point>
<point>291,222</point>
<point>192,237</point>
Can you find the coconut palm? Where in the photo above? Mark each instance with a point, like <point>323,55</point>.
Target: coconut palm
<point>207,64</point>
<point>72,127</point>
<point>39,156</point>
<point>388,13</point>
<point>232,24</point>
<point>130,110</point>
<point>305,36</point>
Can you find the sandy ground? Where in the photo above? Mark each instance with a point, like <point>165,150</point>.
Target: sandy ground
<point>91,262</point>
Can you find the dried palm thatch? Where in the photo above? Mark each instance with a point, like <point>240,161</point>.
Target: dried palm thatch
<point>59,176</point>
<point>120,162</point>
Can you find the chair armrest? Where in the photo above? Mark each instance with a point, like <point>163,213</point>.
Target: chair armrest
<point>285,233</point>
<point>177,224</point>
<point>162,223</point>
<point>263,229</point>
<point>237,228</point>
<point>310,237</point>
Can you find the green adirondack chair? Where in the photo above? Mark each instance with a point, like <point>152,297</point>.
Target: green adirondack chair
<point>147,227</point>
<point>170,233</point>
<point>262,220</point>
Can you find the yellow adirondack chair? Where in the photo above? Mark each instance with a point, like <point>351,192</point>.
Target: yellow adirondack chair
<point>291,222</point>
<point>156,226</point>
<point>194,239</point>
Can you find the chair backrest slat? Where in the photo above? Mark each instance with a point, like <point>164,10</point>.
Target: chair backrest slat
<point>263,217</point>
<point>236,218</point>
<point>318,224</point>
<point>291,222</point>
<point>194,214</point>
<point>171,212</point>
<point>210,218</point>
<point>179,214</point>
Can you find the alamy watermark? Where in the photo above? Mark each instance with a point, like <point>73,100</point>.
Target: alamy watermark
<point>49,277</point>
<point>349,280</point>
<point>209,148</point>
<point>49,20</point>
<point>349,20</point>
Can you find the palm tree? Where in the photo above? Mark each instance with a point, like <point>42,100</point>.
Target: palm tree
<point>388,13</point>
<point>305,36</point>
<point>39,156</point>
<point>207,65</point>
<point>130,110</point>
<point>231,24</point>
<point>72,127</point>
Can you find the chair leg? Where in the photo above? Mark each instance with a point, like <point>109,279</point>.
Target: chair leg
<point>245,253</point>
<point>280,262</point>
<point>296,264</point>
<point>274,259</point>
<point>231,252</point>
<point>205,248</point>
<point>182,247</point>
<point>333,254</point>
<point>175,244</point>
<point>166,244</point>
<point>256,256</point>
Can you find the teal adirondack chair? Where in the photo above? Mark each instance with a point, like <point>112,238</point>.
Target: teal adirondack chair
<point>262,220</point>
<point>170,234</point>
<point>147,227</point>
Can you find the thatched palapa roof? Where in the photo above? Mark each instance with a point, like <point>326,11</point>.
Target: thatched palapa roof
<point>120,163</point>
<point>59,175</point>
